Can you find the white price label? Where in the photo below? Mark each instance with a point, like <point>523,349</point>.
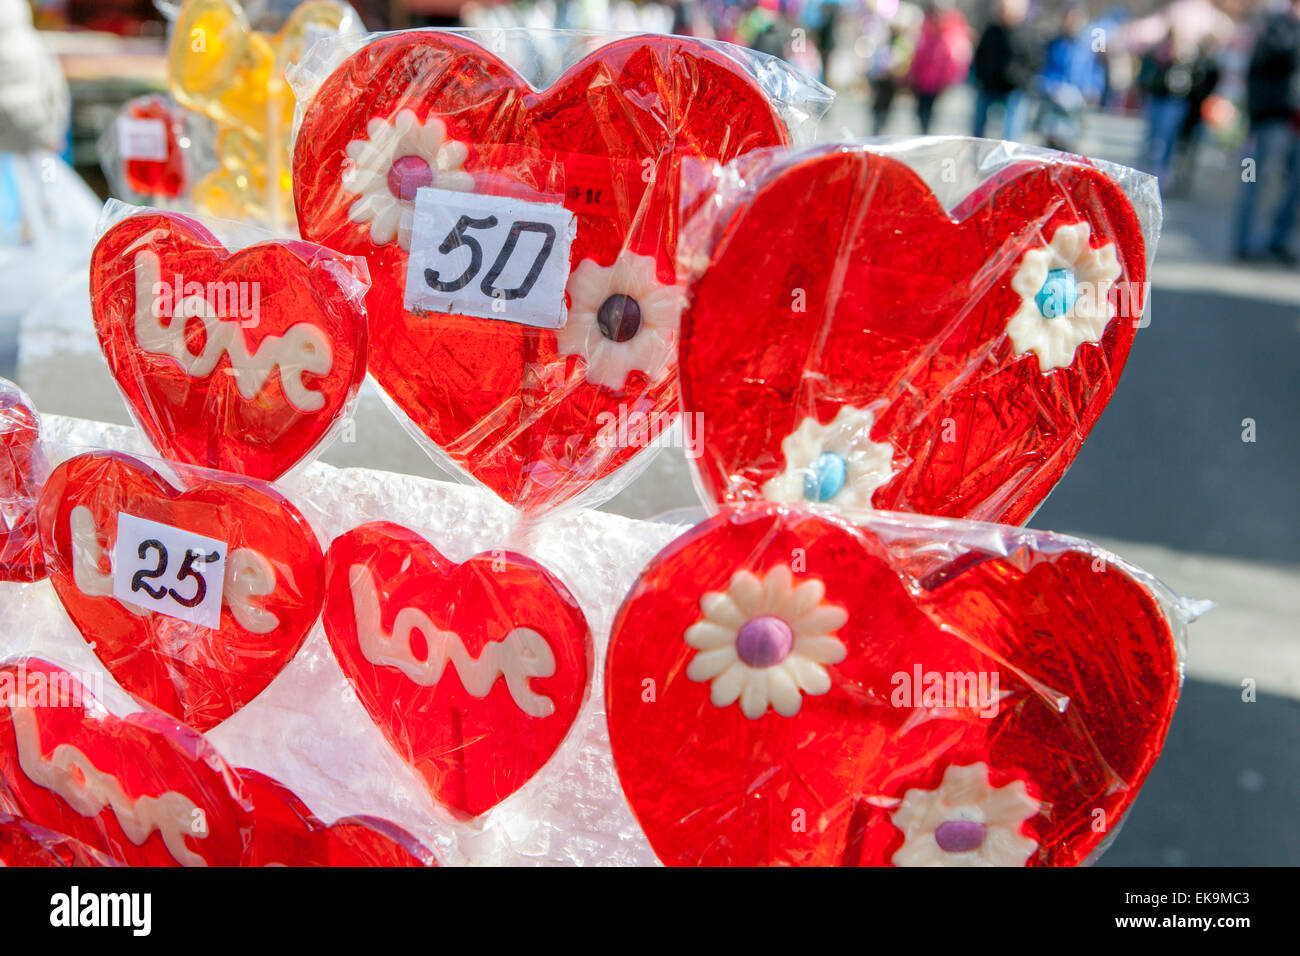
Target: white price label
<point>494,257</point>
<point>141,138</point>
<point>168,570</point>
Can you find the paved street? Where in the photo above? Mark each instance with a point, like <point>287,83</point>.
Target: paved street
<point>1166,480</point>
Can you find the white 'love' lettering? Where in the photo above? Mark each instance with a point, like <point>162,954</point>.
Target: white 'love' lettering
<point>303,348</point>
<point>88,790</point>
<point>522,654</point>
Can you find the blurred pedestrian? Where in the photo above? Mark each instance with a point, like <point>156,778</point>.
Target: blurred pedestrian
<point>886,72</point>
<point>1205,79</point>
<point>1165,79</point>
<point>1005,65</point>
<point>34,102</point>
<point>1273,101</point>
<point>1068,81</point>
<point>941,60</point>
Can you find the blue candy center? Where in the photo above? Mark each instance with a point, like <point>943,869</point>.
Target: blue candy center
<point>825,477</point>
<point>1058,294</point>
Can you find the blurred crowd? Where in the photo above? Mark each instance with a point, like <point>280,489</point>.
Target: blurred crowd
<point>1034,70</point>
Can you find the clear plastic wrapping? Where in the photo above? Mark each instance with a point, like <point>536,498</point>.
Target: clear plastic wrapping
<point>535,373</point>
<point>227,62</point>
<point>23,469</point>
<point>930,325</point>
<point>909,691</point>
<point>192,593</point>
<point>147,151</point>
<point>232,349</point>
<point>504,755</point>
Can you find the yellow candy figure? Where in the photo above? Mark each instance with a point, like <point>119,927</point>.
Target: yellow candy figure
<point>218,65</point>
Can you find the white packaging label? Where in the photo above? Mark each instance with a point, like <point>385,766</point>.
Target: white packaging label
<point>494,257</point>
<point>141,138</point>
<point>168,570</point>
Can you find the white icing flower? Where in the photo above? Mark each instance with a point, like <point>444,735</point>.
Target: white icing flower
<point>834,464</point>
<point>621,319</point>
<point>766,642</point>
<point>396,159</point>
<point>1064,293</point>
<point>965,822</point>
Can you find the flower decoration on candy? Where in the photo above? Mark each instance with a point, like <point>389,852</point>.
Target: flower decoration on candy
<point>23,469</point>
<point>194,600</point>
<point>830,695</point>
<point>241,361</point>
<point>1065,297</point>
<point>966,822</point>
<point>621,320</point>
<point>220,66</point>
<point>140,789</point>
<point>287,833</point>
<point>474,672</point>
<point>947,363</point>
<point>522,408</point>
<point>766,642</point>
<point>393,162</point>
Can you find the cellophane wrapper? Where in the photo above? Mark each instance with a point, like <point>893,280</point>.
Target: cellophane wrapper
<point>940,320</point>
<point>233,348</point>
<point>598,125</point>
<point>23,469</point>
<point>309,730</point>
<point>151,151</point>
<point>226,62</point>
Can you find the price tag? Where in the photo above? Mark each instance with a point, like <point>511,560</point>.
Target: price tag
<point>141,139</point>
<point>168,570</point>
<point>495,257</point>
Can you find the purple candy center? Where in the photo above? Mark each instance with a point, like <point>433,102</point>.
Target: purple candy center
<point>960,836</point>
<point>764,641</point>
<point>407,175</point>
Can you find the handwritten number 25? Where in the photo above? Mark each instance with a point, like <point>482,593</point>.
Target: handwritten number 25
<point>139,580</point>
<point>459,237</point>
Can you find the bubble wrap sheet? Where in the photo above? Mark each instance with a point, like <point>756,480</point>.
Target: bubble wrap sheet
<point>309,730</point>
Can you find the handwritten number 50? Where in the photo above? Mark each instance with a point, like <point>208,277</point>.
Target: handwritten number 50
<point>459,237</point>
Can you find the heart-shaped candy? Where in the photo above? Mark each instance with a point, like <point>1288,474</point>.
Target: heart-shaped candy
<point>23,843</point>
<point>240,361</point>
<point>474,672</point>
<point>270,591</point>
<point>537,416</point>
<point>141,789</point>
<point>888,355</point>
<point>287,833</point>
<point>823,697</point>
<point>22,470</point>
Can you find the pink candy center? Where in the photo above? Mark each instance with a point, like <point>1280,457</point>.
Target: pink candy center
<point>407,175</point>
<point>764,641</point>
<point>960,836</point>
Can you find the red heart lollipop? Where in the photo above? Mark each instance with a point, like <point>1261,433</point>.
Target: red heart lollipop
<point>474,672</point>
<point>22,470</point>
<point>889,356</point>
<point>141,789</point>
<point>286,833</point>
<point>823,698</point>
<point>156,177</point>
<point>270,592</point>
<point>23,843</point>
<point>533,414</point>
<point>238,361</point>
